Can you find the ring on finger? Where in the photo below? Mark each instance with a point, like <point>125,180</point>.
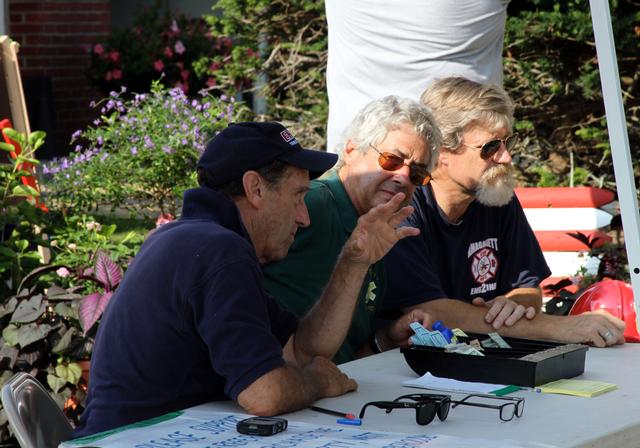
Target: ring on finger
<point>607,335</point>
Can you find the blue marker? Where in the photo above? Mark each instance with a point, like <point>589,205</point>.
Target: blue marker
<point>349,421</point>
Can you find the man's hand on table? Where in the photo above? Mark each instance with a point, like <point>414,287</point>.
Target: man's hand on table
<point>598,328</point>
<point>504,311</point>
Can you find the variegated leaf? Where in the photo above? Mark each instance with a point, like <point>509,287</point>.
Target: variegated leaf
<point>91,309</point>
<point>29,310</point>
<point>30,333</point>
<point>65,310</point>
<point>64,341</point>
<point>55,382</point>
<point>107,271</point>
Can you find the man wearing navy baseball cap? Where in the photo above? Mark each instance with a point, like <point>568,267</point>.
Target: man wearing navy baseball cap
<point>191,323</point>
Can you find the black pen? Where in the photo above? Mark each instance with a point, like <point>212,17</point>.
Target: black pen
<point>347,415</point>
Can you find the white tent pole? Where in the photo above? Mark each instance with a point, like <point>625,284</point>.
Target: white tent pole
<point>616,124</point>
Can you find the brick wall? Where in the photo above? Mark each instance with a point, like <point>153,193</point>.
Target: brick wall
<point>54,37</point>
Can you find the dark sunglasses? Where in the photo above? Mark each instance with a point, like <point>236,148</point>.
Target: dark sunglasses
<point>426,410</point>
<point>419,175</point>
<point>490,148</point>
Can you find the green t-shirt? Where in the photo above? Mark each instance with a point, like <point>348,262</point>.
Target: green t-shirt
<point>298,281</point>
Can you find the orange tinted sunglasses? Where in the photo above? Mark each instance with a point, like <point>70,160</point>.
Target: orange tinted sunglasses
<point>419,175</point>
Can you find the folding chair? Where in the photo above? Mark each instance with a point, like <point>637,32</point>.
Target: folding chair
<point>34,416</point>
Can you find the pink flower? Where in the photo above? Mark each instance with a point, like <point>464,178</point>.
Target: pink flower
<point>251,53</point>
<point>116,73</point>
<point>108,76</point>
<point>184,74</point>
<point>164,218</point>
<point>114,55</point>
<point>174,27</point>
<point>179,47</point>
<point>63,272</point>
<point>158,65</point>
<point>98,49</point>
<point>214,66</point>
<point>211,82</point>
<point>168,52</point>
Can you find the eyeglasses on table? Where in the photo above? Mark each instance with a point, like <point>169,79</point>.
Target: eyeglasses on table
<point>427,406</point>
<point>509,408</point>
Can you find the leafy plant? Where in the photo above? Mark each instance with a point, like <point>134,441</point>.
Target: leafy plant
<point>279,53</point>
<point>48,329</point>
<point>78,238</point>
<point>21,219</point>
<point>140,154</point>
<point>552,74</point>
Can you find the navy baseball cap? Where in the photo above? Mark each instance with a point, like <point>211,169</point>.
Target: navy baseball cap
<point>248,146</point>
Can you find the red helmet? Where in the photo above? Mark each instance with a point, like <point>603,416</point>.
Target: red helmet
<point>613,296</point>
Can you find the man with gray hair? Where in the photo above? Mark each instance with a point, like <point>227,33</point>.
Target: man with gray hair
<point>389,148</point>
<point>476,245</point>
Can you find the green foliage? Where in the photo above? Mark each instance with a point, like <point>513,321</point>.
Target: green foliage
<point>156,44</point>
<point>140,154</point>
<point>21,220</point>
<point>280,50</point>
<point>80,237</point>
<point>48,311</point>
<point>552,74</point>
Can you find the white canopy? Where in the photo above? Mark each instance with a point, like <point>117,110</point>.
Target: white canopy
<point>616,124</point>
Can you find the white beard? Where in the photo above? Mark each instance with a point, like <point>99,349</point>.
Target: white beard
<point>496,185</point>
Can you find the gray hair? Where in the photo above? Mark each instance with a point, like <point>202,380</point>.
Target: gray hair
<point>459,104</point>
<point>381,116</point>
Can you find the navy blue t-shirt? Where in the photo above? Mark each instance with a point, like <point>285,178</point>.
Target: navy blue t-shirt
<point>190,323</point>
<point>491,251</point>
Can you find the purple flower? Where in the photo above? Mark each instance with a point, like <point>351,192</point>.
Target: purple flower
<point>96,122</point>
<point>76,134</point>
<point>134,150</point>
<point>45,169</point>
<point>179,47</point>
<point>99,140</point>
<point>78,148</point>
<point>167,150</point>
<point>104,156</point>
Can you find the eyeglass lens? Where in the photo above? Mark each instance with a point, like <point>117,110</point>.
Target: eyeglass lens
<point>418,175</point>
<point>425,411</point>
<point>489,149</point>
<point>442,402</point>
<point>515,406</point>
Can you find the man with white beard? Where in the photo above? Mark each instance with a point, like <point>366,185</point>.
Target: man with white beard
<point>477,264</point>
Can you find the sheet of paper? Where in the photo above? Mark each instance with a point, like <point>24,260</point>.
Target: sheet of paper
<point>428,381</point>
<point>205,429</point>
<point>579,388</point>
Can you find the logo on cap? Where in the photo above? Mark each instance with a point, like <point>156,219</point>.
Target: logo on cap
<point>287,137</point>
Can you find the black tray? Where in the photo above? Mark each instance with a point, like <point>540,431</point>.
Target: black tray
<point>527,363</point>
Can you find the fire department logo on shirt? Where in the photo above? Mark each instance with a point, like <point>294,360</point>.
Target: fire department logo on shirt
<point>484,262</point>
